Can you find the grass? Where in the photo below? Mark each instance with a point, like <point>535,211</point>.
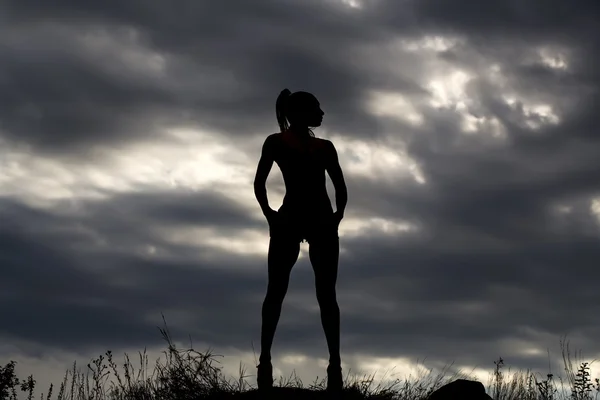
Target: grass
<point>188,374</point>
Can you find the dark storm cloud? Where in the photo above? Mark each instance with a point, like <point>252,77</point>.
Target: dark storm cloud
<point>179,208</point>
<point>492,258</point>
<point>226,76</point>
<point>538,19</point>
<point>108,293</point>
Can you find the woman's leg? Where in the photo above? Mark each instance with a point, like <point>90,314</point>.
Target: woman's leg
<point>324,257</point>
<point>283,254</point>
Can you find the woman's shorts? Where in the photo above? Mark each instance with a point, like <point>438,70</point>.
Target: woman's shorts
<point>311,227</point>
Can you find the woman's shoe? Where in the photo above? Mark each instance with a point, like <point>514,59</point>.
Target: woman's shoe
<point>335,381</point>
<point>264,375</point>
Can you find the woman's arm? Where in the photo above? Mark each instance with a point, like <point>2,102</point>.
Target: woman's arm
<point>262,172</point>
<point>337,178</point>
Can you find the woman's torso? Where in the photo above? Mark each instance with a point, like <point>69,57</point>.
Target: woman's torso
<point>302,162</point>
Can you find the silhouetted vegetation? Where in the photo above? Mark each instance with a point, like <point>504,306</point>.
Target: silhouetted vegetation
<point>188,374</point>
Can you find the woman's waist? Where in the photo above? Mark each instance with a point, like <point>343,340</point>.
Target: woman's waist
<point>314,207</point>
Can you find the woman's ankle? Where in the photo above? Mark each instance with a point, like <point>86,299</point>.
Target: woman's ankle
<point>335,361</point>
<point>265,359</point>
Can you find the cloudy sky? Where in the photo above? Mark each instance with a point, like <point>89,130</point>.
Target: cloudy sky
<point>130,133</point>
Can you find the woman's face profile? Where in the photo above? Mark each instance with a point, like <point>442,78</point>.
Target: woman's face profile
<point>314,114</point>
<point>310,113</point>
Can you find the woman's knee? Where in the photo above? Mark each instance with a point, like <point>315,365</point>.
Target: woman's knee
<point>326,295</point>
<point>275,295</point>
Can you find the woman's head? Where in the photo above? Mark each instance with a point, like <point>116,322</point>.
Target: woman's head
<point>300,109</point>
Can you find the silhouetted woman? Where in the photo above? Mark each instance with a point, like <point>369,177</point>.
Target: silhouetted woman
<point>306,214</point>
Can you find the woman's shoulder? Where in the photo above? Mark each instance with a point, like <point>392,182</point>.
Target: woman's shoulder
<point>321,142</point>
<point>273,138</point>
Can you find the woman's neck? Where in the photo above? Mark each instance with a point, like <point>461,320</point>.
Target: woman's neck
<point>300,131</point>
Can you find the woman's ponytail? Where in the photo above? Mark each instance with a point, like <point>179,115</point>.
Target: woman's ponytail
<point>280,109</point>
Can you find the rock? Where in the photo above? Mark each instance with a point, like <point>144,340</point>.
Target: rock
<point>461,389</point>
